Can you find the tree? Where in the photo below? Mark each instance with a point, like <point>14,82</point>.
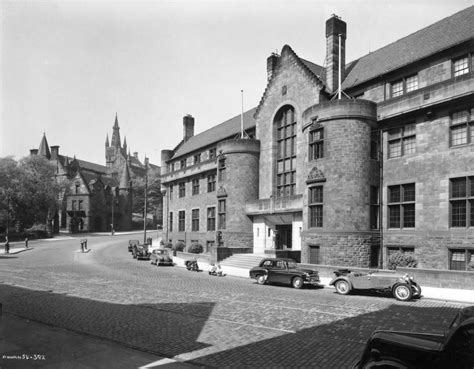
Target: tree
<point>154,196</point>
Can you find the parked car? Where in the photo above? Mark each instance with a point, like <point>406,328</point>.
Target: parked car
<point>140,252</point>
<point>161,257</point>
<point>402,286</point>
<point>284,271</point>
<point>131,243</point>
<point>453,349</point>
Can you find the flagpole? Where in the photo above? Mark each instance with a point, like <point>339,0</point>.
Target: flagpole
<point>242,115</point>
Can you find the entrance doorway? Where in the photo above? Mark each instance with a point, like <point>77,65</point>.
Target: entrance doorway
<point>283,236</point>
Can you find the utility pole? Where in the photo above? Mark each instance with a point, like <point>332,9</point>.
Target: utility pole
<point>145,202</point>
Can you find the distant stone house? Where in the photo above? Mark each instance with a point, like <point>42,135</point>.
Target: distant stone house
<point>340,176</point>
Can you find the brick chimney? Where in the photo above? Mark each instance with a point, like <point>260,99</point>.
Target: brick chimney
<point>188,127</point>
<point>271,65</point>
<point>54,152</point>
<point>335,27</point>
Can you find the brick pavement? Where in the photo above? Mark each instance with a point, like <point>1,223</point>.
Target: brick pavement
<point>209,321</point>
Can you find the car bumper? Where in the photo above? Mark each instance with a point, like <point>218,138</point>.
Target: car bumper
<point>313,281</point>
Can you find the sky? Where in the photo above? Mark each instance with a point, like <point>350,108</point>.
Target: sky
<point>67,67</point>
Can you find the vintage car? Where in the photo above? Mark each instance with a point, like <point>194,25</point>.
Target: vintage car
<point>161,257</point>
<point>140,252</point>
<point>453,349</point>
<point>403,287</point>
<point>283,271</point>
<point>131,243</point>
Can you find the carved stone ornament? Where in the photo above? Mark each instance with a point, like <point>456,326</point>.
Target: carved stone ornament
<point>221,192</point>
<point>315,175</point>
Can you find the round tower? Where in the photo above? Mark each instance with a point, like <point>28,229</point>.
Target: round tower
<point>340,184</point>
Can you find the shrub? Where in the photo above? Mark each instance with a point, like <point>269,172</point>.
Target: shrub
<point>196,248</point>
<point>401,259</point>
<point>179,246</point>
<point>168,245</point>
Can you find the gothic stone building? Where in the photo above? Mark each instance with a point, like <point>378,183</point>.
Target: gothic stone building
<point>341,176</point>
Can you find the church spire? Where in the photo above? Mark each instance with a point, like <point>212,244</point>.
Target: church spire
<point>44,148</point>
<point>116,134</point>
<point>107,141</point>
<point>125,144</point>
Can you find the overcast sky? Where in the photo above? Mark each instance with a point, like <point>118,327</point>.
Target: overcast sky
<point>68,66</point>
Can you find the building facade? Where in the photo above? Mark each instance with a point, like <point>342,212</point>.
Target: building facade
<point>345,164</point>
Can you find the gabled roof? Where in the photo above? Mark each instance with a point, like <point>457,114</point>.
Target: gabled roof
<point>439,36</point>
<point>86,165</point>
<point>217,133</point>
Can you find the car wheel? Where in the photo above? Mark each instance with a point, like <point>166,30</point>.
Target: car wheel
<point>297,282</point>
<point>261,279</point>
<point>416,290</point>
<point>402,292</point>
<point>342,287</point>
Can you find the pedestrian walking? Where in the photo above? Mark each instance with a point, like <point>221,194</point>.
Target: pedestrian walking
<point>7,245</point>
<point>26,242</point>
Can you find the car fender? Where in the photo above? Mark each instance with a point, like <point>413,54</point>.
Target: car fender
<point>254,272</point>
<point>334,280</point>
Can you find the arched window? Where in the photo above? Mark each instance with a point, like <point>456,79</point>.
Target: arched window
<point>285,126</point>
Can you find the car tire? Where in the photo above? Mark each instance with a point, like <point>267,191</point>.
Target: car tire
<point>402,292</point>
<point>261,279</point>
<point>416,290</point>
<point>342,287</point>
<point>297,282</point>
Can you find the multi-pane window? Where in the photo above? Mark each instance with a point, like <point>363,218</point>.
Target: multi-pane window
<point>461,200</point>
<point>221,169</point>
<point>73,205</point>
<point>461,66</point>
<point>211,219</point>
<point>196,186</point>
<point>183,163</point>
<point>401,206</point>
<point>222,214</point>
<point>411,83</point>
<point>181,220</point>
<point>285,125</point>
<point>211,183</point>
<point>402,141</point>
<point>461,259</point>
<point>197,159</point>
<point>182,189</point>
<point>195,220</point>
<point>374,207</point>
<point>461,128</point>
<point>170,223</point>
<point>315,203</point>
<point>397,88</point>
<point>316,144</point>
<point>212,154</point>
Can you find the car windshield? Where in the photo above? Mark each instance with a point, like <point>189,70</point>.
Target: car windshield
<point>292,264</point>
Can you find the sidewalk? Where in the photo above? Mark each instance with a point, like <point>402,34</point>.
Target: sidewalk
<point>441,294</point>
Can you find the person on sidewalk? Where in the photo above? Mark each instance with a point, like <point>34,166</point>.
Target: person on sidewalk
<point>7,245</point>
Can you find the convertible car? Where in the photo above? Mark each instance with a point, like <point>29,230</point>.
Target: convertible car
<point>161,257</point>
<point>403,287</point>
<point>283,271</point>
<point>453,349</point>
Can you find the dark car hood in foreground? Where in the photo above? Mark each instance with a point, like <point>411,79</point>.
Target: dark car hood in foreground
<point>417,341</point>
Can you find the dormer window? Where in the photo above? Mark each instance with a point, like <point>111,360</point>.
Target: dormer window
<point>183,163</point>
<point>212,154</point>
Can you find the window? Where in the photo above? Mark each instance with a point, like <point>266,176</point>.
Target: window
<point>461,202</point>
<point>196,186</point>
<point>212,154</point>
<point>411,83</point>
<point>402,141</point>
<point>397,88</point>
<point>73,205</point>
<point>172,167</point>
<point>211,219</point>
<point>197,159</point>
<point>170,226</point>
<point>79,204</point>
<point>171,192</point>
<point>183,163</point>
<point>285,125</point>
<point>315,203</point>
<point>181,220</point>
<point>461,259</point>
<point>222,213</point>
<point>461,128</point>
<point>195,220</point>
<point>316,144</point>
<point>78,186</point>
<point>182,189</point>
<point>211,183</point>
<point>401,206</point>
<point>221,169</point>
<point>374,207</point>
<point>461,66</point>
<point>404,85</point>
<point>210,245</point>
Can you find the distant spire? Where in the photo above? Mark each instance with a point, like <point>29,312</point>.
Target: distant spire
<point>116,134</point>
<point>107,141</point>
<point>125,143</point>
<point>125,180</point>
<point>44,148</point>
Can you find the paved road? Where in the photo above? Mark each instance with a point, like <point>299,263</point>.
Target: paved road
<point>193,317</point>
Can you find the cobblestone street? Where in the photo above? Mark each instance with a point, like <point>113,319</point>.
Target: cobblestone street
<point>195,318</point>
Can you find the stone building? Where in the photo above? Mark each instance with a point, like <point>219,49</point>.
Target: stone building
<point>345,163</point>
